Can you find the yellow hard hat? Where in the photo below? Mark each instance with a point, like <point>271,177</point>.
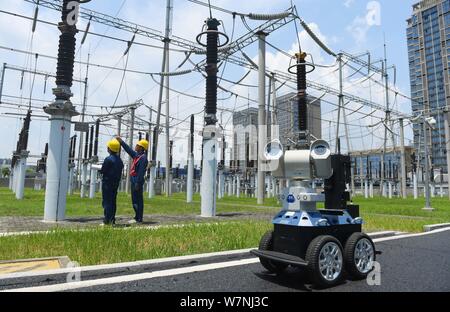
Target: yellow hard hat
<point>114,146</point>
<point>143,144</point>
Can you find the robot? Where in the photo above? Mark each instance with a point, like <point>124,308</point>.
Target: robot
<point>325,242</point>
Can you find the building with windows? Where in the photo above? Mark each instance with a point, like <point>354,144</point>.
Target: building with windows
<point>242,148</point>
<point>368,163</point>
<point>428,36</point>
<point>287,112</point>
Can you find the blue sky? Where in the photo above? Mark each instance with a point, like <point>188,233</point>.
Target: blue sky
<point>342,24</point>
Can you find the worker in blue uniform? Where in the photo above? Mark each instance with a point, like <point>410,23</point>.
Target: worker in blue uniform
<point>112,173</point>
<point>137,176</point>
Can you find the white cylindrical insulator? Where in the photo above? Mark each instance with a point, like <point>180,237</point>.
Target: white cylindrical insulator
<point>20,186</point>
<point>93,184</point>
<point>151,183</point>
<point>416,191</point>
<point>190,180</point>
<point>83,180</point>
<point>366,189</point>
<point>57,168</point>
<point>221,184</point>
<point>209,175</point>
<point>70,185</point>
<point>238,186</point>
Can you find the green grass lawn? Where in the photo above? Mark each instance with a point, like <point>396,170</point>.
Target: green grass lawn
<point>109,245</point>
<point>33,204</point>
<point>99,246</point>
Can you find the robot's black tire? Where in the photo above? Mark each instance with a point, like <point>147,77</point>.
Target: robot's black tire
<point>266,244</point>
<point>349,256</point>
<point>312,257</point>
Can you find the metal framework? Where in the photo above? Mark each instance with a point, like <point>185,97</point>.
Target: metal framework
<point>353,98</point>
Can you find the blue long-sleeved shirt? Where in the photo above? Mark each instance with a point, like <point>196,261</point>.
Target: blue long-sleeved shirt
<point>141,166</point>
<point>112,170</point>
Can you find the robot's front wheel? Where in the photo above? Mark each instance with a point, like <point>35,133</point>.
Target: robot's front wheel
<point>359,256</point>
<point>325,261</point>
<point>266,244</point>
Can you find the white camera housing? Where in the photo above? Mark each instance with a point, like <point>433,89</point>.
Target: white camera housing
<point>305,164</point>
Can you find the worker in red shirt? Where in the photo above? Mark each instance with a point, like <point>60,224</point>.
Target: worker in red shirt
<point>137,174</point>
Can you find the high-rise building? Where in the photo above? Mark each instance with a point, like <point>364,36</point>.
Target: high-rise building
<point>245,123</point>
<point>428,36</point>
<point>242,148</point>
<point>287,112</point>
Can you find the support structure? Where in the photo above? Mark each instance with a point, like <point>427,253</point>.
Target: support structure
<point>82,134</point>
<point>167,131</point>
<point>166,40</point>
<point>130,143</point>
<point>190,176</point>
<point>403,160</point>
<point>262,130</point>
<point>427,169</point>
<point>447,147</point>
<point>61,113</point>
<point>209,159</point>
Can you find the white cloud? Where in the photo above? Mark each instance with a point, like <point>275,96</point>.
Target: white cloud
<point>348,3</point>
<point>361,25</point>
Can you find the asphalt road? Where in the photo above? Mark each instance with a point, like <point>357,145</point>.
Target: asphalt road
<point>418,264</point>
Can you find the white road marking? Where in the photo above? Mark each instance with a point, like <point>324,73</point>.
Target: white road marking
<point>136,277</point>
<point>125,265</point>
<point>172,272</point>
<point>379,240</point>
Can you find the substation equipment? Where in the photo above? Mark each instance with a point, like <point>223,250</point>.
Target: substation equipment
<point>210,132</point>
<point>324,242</point>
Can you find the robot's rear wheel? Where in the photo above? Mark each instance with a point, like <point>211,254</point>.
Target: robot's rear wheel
<point>359,255</point>
<point>266,244</point>
<point>325,261</point>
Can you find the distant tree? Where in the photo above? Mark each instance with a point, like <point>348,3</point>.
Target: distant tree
<point>6,172</point>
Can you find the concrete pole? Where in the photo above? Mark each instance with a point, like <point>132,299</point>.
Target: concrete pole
<point>190,177</point>
<point>71,176</point>
<point>233,185</point>
<point>168,168</point>
<point>262,130</point>
<point>16,176</point>
<point>22,168</point>
<point>415,186</point>
<point>168,30</point>
<point>57,169</point>
<point>361,172</point>
<point>149,154</point>
<point>130,143</point>
<point>61,112</point>
<point>221,192</point>
<point>238,186</point>
<point>427,170</point>
<point>366,188</point>
<point>209,174</point>
<point>403,160</point>
<point>447,146</point>
<point>82,134</point>
<point>341,102</point>
<point>93,184</point>
<point>10,180</point>
<point>84,169</point>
